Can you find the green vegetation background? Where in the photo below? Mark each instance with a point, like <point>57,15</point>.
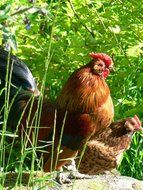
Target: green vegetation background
<point>55,37</point>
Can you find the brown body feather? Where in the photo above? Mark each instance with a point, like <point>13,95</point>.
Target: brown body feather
<point>86,98</point>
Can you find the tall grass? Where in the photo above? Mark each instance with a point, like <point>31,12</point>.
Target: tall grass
<point>27,145</point>
<point>132,162</point>
<point>25,150</point>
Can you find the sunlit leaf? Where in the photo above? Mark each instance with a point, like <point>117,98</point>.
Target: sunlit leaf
<point>135,50</point>
<point>116,29</point>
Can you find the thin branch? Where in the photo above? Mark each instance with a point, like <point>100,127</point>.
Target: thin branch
<point>21,11</point>
<point>78,17</point>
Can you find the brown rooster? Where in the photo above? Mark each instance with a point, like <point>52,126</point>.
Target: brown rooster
<point>86,102</point>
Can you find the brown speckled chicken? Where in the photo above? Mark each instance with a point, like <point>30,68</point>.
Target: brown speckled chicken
<point>104,151</point>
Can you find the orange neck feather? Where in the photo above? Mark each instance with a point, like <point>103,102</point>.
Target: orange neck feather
<point>84,92</point>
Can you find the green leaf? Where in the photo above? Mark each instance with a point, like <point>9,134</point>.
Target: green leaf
<point>116,29</point>
<point>136,50</point>
<point>3,16</point>
<point>140,80</point>
<point>6,7</point>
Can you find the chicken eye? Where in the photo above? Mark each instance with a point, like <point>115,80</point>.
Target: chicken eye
<point>100,64</point>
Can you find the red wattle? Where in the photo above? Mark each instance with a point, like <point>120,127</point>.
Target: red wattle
<point>106,73</point>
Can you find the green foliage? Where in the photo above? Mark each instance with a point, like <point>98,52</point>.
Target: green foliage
<point>64,32</point>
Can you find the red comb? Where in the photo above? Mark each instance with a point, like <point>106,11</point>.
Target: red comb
<point>104,57</point>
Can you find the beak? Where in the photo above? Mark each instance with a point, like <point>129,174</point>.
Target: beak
<point>112,68</point>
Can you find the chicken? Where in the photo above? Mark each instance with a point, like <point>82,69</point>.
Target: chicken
<point>104,151</point>
<point>84,103</point>
<point>83,109</point>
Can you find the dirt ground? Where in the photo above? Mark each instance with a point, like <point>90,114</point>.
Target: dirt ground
<point>42,181</point>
